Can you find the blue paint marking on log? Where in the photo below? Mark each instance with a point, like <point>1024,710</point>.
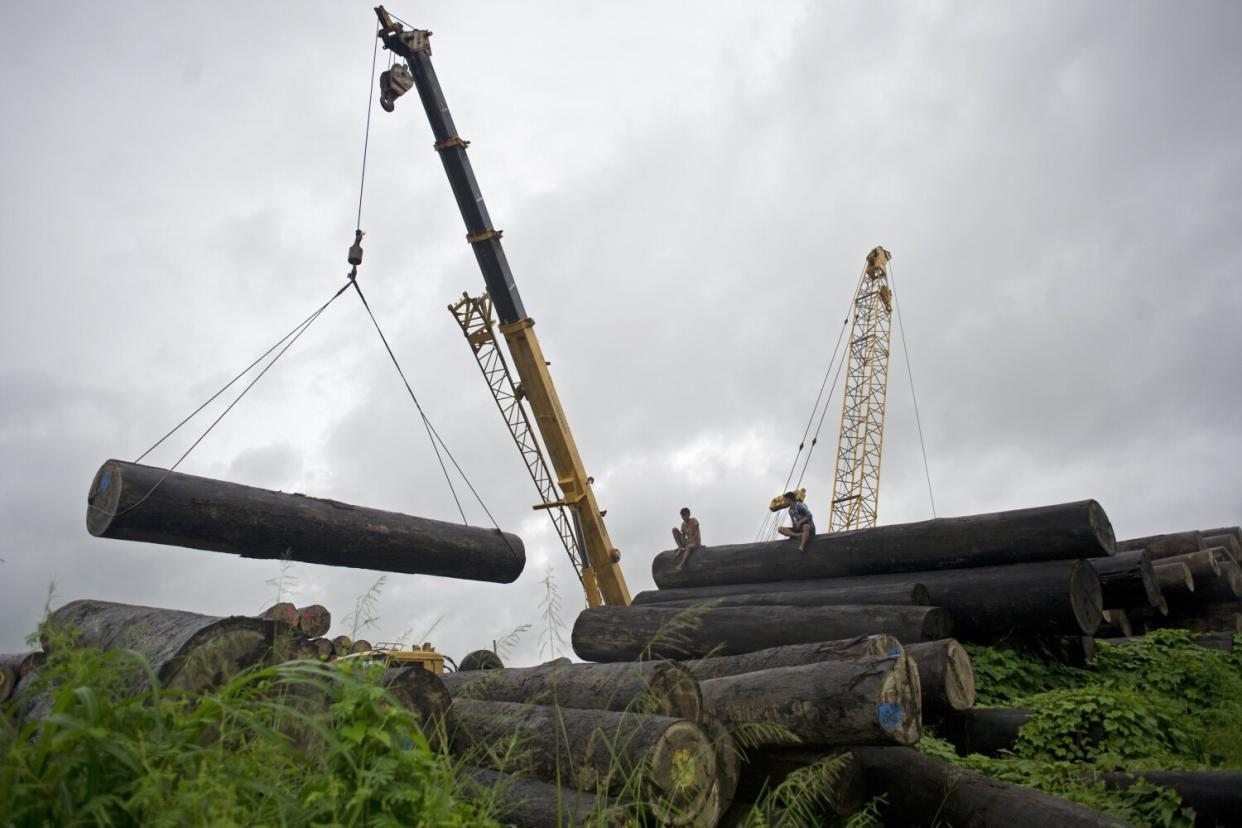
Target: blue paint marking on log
<point>105,481</point>
<point>894,651</point>
<point>889,715</point>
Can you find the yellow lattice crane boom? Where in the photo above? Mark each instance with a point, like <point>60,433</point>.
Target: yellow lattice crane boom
<point>856,482</point>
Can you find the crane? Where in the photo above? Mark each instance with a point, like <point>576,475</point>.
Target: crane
<point>856,481</point>
<point>551,455</point>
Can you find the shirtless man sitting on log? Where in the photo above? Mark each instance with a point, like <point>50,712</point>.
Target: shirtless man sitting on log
<point>687,537</point>
<point>802,524</point>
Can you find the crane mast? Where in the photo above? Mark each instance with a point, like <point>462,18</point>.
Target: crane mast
<point>581,523</point>
<point>856,482</point>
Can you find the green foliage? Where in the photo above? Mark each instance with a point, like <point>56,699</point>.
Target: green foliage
<point>1159,702</point>
<point>299,744</point>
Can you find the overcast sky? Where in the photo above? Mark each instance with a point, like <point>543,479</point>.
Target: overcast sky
<point>687,192</point>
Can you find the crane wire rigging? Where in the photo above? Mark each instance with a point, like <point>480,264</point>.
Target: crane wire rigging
<point>913,396</point>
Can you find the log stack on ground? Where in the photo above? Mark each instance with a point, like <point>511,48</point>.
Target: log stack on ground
<point>793,655</point>
<point>14,667</point>
<point>597,750</point>
<point>523,802</point>
<point>633,633</point>
<point>128,501</point>
<point>1128,580</point>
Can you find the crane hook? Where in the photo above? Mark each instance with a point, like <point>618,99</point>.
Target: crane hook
<point>355,253</point>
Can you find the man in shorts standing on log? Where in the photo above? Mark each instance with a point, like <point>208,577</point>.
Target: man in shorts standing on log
<point>687,537</point>
<point>802,524</point>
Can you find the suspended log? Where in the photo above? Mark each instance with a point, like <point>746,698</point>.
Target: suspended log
<point>895,594</point>
<point>186,651</point>
<point>922,790</point>
<point>594,750</point>
<point>1216,796</point>
<point>1174,577</point>
<point>634,633</point>
<point>837,775</point>
<point>142,503</point>
<point>1071,530</point>
<point>1164,546</point>
<point>1127,579</point>
<point>531,803</point>
<point>314,621</point>
<point>14,667</point>
<point>946,674</point>
<point>793,655</point>
<point>663,687</point>
<point>986,730</point>
<point>866,701</point>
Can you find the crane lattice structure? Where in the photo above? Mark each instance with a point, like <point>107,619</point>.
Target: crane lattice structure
<point>856,483</point>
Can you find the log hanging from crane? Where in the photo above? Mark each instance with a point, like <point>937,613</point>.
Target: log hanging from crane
<point>633,633</point>
<point>128,501</point>
<point>1046,533</point>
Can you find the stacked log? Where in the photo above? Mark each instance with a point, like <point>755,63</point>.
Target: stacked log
<point>1216,796</point>
<point>14,667</point>
<point>899,593</point>
<point>596,750</point>
<point>129,501</point>
<point>524,802</point>
<point>633,633</point>
<point>1128,580</point>
<point>793,655</point>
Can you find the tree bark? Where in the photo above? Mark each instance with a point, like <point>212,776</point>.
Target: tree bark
<point>1174,577</point>
<point>904,593</point>
<point>1127,579</point>
<point>142,503</point>
<point>1164,546</point>
<point>793,655</point>
<point>1204,563</point>
<point>839,782</point>
<point>186,651</point>
<point>728,762</point>
<point>1225,589</point>
<point>945,674</point>
<point>1229,543</point>
<point>924,791</point>
<point>866,701</point>
<point>868,585</point>
<point>662,687</point>
<point>523,802</point>
<point>1216,796</point>
<point>986,730</point>
<point>1072,530</point>
<point>1116,624</point>
<point>594,750</point>
<point>314,621</point>
<point>634,633</point>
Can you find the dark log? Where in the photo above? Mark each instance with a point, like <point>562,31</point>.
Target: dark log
<point>1204,563</point>
<point>1225,589</point>
<point>322,649</point>
<point>594,750</point>
<point>634,633</point>
<point>282,613</point>
<point>1229,543</point>
<point>422,692</point>
<point>142,503</point>
<point>342,645</point>
<point>663,687</point>
<point>1201,618</point>
<point>986,730</point>
<point>1164,546</point>
<point>1116,625</point>
<point>1127,579</point>
<point>531,803</point>
<point>924,791</point>
<point>837,775</point>
<point>14,667</point>
<point>1072,530</point>
<point>1215,795</point>
<point>728,762</point>
<point>186,651</point>
<point>867,701</point>
<point>793,655</point>
<point>361,646</point>
<point>945,673</point>
<point>314,621</point>
<point>480,660</point>
<point>904,593</point>
<point>1222,641</point>
<point>1174,577</point>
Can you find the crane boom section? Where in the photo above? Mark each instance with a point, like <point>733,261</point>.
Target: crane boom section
<point>603,577</point>
<point>856,482</point>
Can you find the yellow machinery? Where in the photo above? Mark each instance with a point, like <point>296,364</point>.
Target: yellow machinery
<point>856,482</point>
<point>574,510</point>
<point>399,655</point>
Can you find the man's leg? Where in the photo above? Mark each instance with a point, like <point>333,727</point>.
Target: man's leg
<point>682,552</point>
<point>806,537</point>
<point>786,531</point>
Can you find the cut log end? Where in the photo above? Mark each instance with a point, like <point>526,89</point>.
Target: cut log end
<point>1174,577</point>
<point>675,692</point>
<point>1087,597</point>
<point>898,704</point>
<point>104,498</point>
<point>682,772</point>
<point>937,624</point>
<point>1098,520</point>
<point>214,662</point>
